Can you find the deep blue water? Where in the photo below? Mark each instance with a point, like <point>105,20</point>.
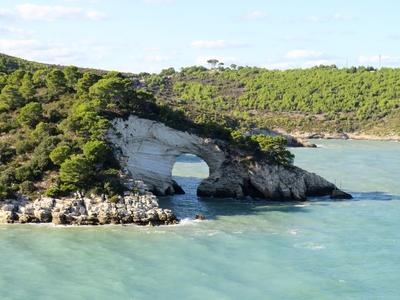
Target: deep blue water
<point>320,249</point>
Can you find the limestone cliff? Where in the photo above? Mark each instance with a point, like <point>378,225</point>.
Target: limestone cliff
<point>148,151</point>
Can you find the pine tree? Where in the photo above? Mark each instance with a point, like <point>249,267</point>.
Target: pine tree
<point>27,89</point>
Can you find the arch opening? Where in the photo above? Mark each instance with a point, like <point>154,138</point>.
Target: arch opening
<point>188,171</point>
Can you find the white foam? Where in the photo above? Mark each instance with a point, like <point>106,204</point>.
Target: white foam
<point>311,246</point>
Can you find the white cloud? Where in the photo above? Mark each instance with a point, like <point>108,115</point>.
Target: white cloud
<point>30,11</point>
<point>54,53</point>
<point>254,15</point>
<point>7,45</point>
<point>5,13</point>
<point>335,17</point>
<point>315,19</point>
<point>302,54</point>
<point>5,30</point>
<point>215,44</point>
<point>341,17</point>
<point>156,58</point>
<point>280,65</point>
<point>301,63</point>
<point>394,37</point>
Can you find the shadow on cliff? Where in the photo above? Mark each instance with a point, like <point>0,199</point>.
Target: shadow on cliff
<point>188,205</point>
<point>185,207</point>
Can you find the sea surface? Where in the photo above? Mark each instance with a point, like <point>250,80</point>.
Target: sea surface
<point>320,249</point>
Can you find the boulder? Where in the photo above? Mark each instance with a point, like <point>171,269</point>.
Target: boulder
<point>200,217</point>
<point>340,195</point>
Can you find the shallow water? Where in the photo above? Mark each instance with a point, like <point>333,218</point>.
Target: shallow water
<point>320,249</point>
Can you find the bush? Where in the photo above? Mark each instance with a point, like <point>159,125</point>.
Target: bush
<point>41,131</point>
<point>24,173</point>
<point>30,114</point>
<point>88,79</point>
<point>27,88</point>
<point>54,191</point>
<point>95,151</point>
<point>6,153</point>
<point>76,173</point>
<point>24,146</point>
<point>10,98</point>
<point>60,154</point>
<point>5,191</point>
<point>27,187</point>
<point>40,159</point>
<point>56,82</point>
<point>275,148</point>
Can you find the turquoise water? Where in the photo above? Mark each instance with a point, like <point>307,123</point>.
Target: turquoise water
<point>246,250</point>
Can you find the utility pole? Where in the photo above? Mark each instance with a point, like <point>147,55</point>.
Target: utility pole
<point>380,61</point>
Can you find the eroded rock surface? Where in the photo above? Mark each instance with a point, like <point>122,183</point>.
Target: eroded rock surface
<point>148,151</point>
<point>137,209</point>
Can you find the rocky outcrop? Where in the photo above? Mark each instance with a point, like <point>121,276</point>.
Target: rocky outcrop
<point>94,210</point>
<point>148,150</point>
<point>262,180</point>
<point>291,140</point>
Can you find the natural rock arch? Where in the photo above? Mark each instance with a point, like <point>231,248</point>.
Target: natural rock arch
<point>148,149</point>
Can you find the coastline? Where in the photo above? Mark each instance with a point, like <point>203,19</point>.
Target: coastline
<point>345,136</point>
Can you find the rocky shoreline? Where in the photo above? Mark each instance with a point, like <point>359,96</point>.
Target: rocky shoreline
<point>344,136</point>
<point>140,209</point>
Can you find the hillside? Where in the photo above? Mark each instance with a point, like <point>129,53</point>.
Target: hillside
<point>54,121</point>
<point>322,99</point>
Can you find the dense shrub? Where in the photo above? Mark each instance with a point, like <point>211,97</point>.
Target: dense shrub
<point>30,114</point>
<point>76,173</point>
<point>6,153</point>
<point>60,154</point>
<point>95,150</point>
<point>275,148</point>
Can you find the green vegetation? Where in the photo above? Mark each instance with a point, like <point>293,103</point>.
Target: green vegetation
<point>321,99</point>
<point>53,119</point>
<point>53,122</point>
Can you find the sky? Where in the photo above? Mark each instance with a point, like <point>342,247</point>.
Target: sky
<point>150,35</point>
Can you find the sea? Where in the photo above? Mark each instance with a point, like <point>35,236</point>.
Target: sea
<point>246,249</point>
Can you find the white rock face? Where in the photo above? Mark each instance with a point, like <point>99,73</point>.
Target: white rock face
<point>149,150</point>
<point>89,210</point>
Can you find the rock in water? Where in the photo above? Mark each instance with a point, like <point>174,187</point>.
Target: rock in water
<point>200,217</point>
<point>177,188</point>
<point>148,151</point>
<point>339,194</point>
